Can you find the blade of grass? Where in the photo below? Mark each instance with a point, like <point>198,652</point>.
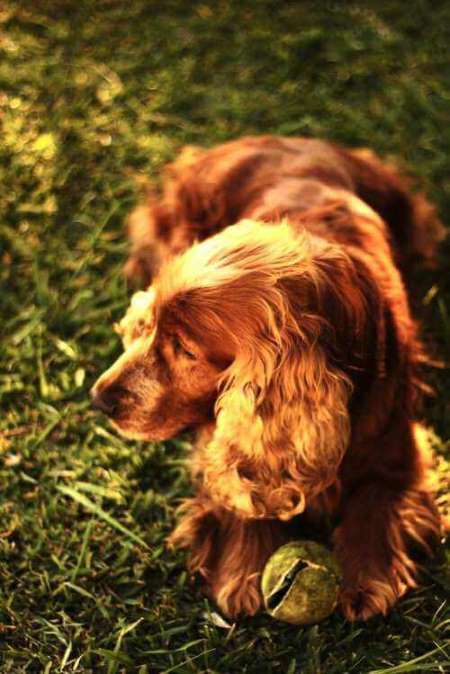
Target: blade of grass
<point>413,665</point>
<point>84,544</point>
<point>188,661</point>
<point>102,514</point>
<point>114,663</point>
<point>66,655</point>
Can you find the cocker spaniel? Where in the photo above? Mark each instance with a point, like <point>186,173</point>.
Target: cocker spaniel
<point>277,327</point>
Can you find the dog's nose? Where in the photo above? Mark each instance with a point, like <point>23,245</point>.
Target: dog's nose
<point>105,400</point>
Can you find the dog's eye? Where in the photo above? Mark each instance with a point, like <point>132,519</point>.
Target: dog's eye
<point>180,348</point>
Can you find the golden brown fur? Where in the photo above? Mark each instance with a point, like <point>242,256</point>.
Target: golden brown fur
<point>286,342</point>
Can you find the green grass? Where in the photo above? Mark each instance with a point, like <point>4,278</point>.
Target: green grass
<point>95,94</point>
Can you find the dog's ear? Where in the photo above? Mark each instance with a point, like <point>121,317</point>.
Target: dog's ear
<point>283,421</point>
<point>275,445</point>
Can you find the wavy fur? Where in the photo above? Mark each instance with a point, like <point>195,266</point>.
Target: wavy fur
<point>286,343</point>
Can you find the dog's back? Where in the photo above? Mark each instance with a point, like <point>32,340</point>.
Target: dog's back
<point>270,178</point>
<point>412,219</point>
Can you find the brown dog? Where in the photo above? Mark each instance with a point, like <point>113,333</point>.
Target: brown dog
<point>286,342</point>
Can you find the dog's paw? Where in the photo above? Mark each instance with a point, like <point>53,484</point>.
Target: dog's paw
<point>368,598</point>
<point>242,597</point>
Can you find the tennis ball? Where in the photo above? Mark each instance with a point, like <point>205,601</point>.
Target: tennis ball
<point>300,583</point>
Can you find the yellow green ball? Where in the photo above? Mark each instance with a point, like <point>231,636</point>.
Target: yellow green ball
<point>300,583</point>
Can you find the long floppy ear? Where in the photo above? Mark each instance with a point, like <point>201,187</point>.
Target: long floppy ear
<point>266,460</point>
<point>283,420</point>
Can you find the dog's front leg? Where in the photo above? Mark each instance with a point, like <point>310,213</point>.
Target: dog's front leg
<point>378,524</point>
<point>229,552</point>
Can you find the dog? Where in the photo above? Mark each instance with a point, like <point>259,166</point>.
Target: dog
<point>276,326</point>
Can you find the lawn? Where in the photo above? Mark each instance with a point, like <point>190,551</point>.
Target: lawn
<point>95,95</point>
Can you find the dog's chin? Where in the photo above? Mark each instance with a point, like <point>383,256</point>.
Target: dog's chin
<point>130,432</point>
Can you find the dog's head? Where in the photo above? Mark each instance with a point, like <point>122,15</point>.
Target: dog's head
<point>252,330</point>
<point>166,379</point>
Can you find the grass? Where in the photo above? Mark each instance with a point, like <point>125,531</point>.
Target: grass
<point>95,94</point>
